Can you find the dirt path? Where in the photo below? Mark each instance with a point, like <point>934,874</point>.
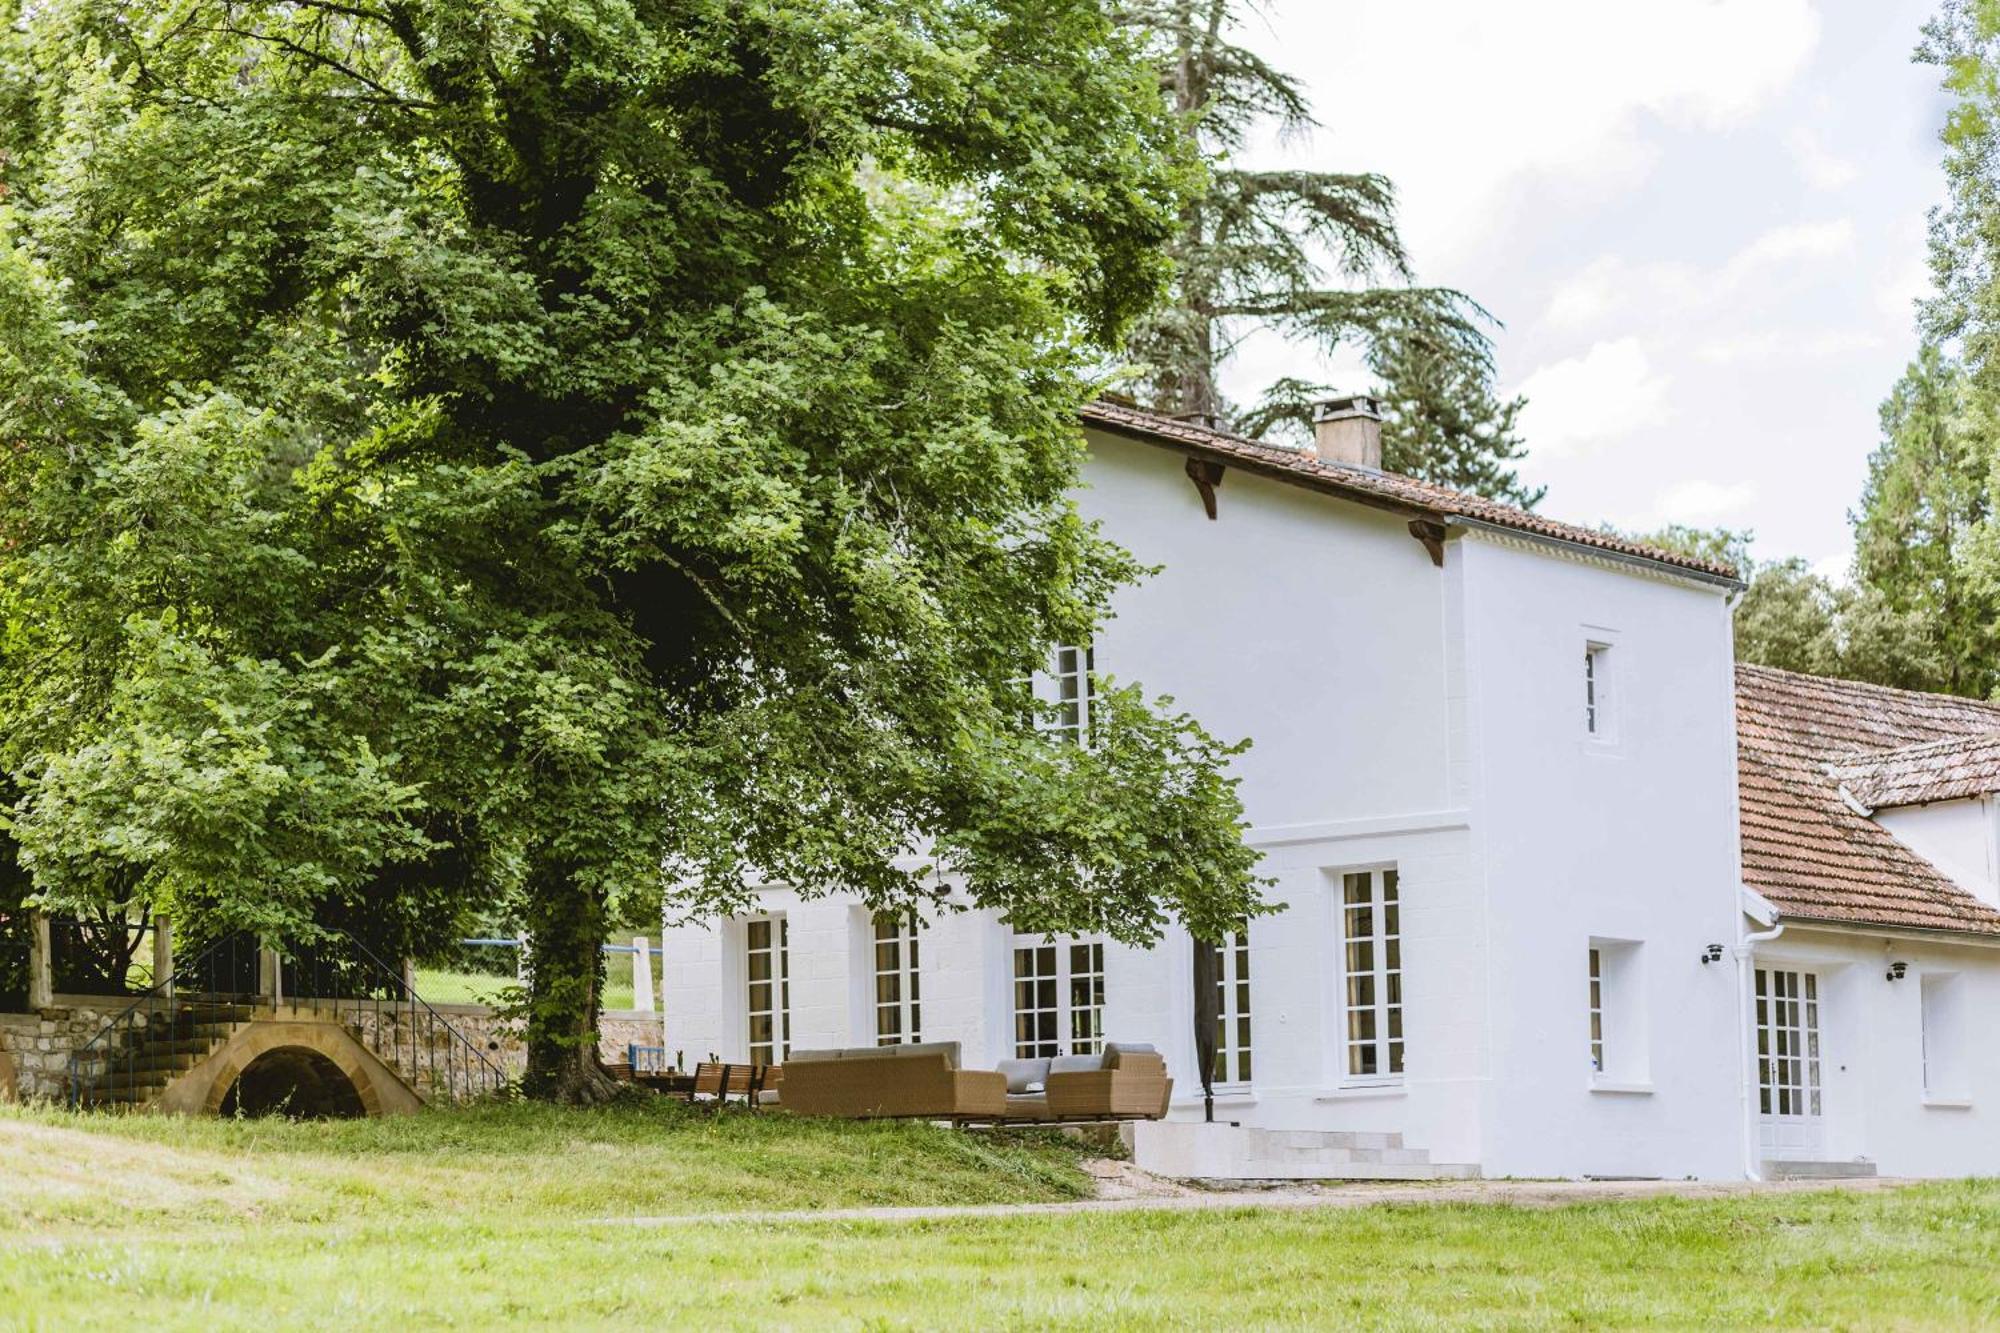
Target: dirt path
<point>1126,1190</point>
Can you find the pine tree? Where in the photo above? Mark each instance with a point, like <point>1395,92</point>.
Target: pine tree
<point>1268,249</point>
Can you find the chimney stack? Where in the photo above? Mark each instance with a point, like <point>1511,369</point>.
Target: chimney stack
<point>1348,430</point>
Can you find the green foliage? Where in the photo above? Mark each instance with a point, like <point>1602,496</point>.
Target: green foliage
<point>465,459</point>
<point>1312,256</point>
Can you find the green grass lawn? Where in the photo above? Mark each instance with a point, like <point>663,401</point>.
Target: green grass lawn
<point>515,1215</point>
<point>442,986</point>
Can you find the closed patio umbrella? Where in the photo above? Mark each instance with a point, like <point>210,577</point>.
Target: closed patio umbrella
<point>1207,984</point>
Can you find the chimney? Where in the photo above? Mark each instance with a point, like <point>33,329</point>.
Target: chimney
<point>1348,429</point>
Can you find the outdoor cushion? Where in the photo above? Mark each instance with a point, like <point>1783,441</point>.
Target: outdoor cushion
<point>1025,1075</point>
<point>1114,1049</point>
<point>1076,1064</point>
<point>948,1049</point>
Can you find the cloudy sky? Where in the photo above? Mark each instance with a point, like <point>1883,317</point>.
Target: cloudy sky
<point>1700,221</point>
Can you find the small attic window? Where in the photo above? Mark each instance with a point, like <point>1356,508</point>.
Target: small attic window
<point>1597,691</point>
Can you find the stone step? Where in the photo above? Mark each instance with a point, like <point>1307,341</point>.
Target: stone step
<point>1254,1169</point>
<point>1789,1170</point>
<point>1191,1150</point>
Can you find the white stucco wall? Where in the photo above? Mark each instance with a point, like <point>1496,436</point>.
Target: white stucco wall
<point>1955,836</point>
<point>1627,839</point>
<point>1876,1106</point>
<point>1401,715</point>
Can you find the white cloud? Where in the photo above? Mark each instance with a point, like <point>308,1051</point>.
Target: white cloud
<point>1783,245</point>
<point>1767,346</point>
<point>1583,402</point>
<point>1612,291</point>
<point>1701,502</point>
<point>1458,100</point>
<point>1819,168</point>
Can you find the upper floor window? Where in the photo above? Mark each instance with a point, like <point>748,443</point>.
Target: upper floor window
<point>898,1005</point>
<point>1597,691</point>
<point>1074,678</point>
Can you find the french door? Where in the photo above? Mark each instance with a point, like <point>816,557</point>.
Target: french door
<point>1789,1098</point>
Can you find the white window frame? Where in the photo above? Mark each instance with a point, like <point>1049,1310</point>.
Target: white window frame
<point>1599,692</point>
<point>1941,1017</point>
<point>1073,685</point>
<point>1596,1011</point>
<point>1789,1041</point>
<point>1373,1045</point>
<point>898,999</point>
<point>778,980</point>
<point>1233,1037</point>
<point>1076,1029</point>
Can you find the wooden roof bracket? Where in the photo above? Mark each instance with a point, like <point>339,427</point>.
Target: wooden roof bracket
<point>1206,474</point>
<point>1431,533</point>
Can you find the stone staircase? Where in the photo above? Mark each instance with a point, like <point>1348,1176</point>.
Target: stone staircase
<point>153,1056</point>
<point>1776,1169</point>
<point>1194,1151</point>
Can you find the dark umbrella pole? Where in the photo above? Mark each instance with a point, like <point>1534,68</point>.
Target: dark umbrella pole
<point>1207,984</point>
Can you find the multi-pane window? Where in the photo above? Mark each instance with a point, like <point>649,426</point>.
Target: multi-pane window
<point>770,989</point>
<point>1787,1043</point>
<point>1596,691</point>
<point>1073,678</point>
<point>1058,996</point>
<point>1597,1010</point>
<point>1372,959</point>
<point>898,1012</point>
<point>1232,1009</point>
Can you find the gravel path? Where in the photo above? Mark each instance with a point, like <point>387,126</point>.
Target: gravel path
<point>1155,1194</point>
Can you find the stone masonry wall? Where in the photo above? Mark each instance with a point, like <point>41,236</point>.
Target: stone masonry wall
<point>38,1045</point>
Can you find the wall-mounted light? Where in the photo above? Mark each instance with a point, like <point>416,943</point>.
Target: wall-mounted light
<point>1712,954</point>
<point>1897,970</point>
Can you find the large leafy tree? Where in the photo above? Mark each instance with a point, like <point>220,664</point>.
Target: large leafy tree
<point>487,454</point>
<point>1927,499</point>
<point>1313,256</point>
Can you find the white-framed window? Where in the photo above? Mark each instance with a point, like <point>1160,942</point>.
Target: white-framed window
<point>1058,996</point>
<point>1371,940</point>
<point>898,1001</point>
<point>1620,1054</point>
<point>1943,1036</point>
<point>1074,680</point>
<point>768,1000</point>
<point>1788,1082</point>
<point>1596,1010</point>
<point>1597,691</point>
<point>1232,1009</point>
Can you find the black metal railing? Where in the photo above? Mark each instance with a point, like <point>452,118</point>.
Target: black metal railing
<point>387,1015</point>
<point>176,1024</point>
<point>100,957</point>
<point>17,952</point>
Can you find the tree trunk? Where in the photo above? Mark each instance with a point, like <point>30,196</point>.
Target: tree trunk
<point>566,922</point>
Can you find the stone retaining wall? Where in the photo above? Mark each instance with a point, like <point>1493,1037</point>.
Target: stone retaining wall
<point>37,1046</point>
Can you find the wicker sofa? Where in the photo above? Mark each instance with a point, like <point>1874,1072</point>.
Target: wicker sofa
<point>919,1081</point>
<point>1126,1082</point>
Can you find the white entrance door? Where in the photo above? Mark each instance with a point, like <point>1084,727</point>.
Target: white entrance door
<point>1788,1065</point>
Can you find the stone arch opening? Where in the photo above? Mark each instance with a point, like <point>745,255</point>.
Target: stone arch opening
<point>297,1082</point>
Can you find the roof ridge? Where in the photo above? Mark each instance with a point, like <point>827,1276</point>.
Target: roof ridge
<point>1368,485</point>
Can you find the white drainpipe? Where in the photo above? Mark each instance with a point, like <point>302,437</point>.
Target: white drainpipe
<point>1753,1162</point>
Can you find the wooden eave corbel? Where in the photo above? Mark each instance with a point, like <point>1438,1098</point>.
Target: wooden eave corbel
<point>1431,533</point>
<point>1206,474</point>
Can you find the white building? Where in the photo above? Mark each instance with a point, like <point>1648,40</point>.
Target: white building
<point>1494,775</point>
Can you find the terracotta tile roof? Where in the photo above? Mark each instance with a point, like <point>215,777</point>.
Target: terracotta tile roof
<point>1939,771</point>
<point>1804,847</point>
<point>1419,499</point>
